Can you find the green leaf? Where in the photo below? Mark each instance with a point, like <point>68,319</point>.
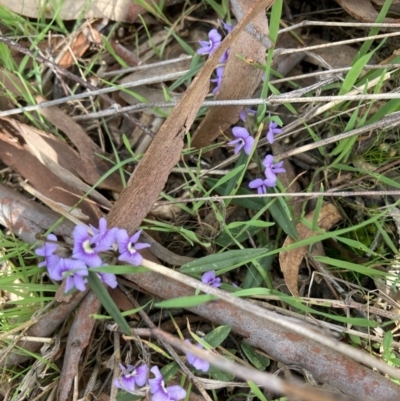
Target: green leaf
<point>256,390</point>
<point>217,336</point>
<point>354,73</point>
<point>283,215</point>
<point>351,266</point>
<point>124,396</point>
<point>237,232</point>
<point>220,375</point>
<point>109,305</point>
<point>185,302</point>
<point>259,361</point>
<point>169,371</point>
<point>225,260</point>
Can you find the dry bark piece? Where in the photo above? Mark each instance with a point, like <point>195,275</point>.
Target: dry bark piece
<point>240,80</point>
<point>164,152</point>
<point>290,260</point>
<point>78,339</point>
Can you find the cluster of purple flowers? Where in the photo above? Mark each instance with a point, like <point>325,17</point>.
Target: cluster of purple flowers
<point>138,376</point>
<point>209,46</point>
<point>90,249</point>
<point>245,141</point>
<point>132,377</point>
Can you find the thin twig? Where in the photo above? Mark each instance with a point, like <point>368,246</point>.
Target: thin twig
<point>340,24</point>
<point>281,195</point>
<point>71,76</point>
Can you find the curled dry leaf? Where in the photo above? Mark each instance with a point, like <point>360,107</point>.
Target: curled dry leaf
<point>290,260</point>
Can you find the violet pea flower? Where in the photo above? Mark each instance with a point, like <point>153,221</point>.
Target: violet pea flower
<point>271,168</point>
<point>211,279</point>
<point>131,377</point>
<point>196,362</point>
<point>207,47</point>
<point>272,131</point>
<point>162,393</point>
<point>128,247</point>
<point>243,140</point>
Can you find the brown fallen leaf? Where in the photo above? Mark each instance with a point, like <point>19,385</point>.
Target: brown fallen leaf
<point>240,80</point>
<point>164,152</point>
<point>362,10</point>
<point>117,10</point>
<point>87,165</point>
<point>290,260</point>
<point>78,42</point>
<point>25,149</point>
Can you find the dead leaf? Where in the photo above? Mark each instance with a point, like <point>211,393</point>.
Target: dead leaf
<point>117,10</point>
<point>77,48</point>
<point>290,260</point>
<point>33,154</point>
<point>342,57</point>
<point>362,10</point>
<point>165,151</point>
<point>240,80</point>
<point>88,165</point>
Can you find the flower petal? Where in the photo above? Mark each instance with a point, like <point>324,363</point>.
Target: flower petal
<point>240,132</point>
<point>176,392</point>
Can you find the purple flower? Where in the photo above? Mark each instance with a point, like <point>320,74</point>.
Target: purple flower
<point>228,27</point>
<point>128,247</point>
<point>84,248</point>
<point>109,279</point>
<point>244,140</point>
<point>162,393</point>
<point>272,169</point>
<point>131,377</point>
<point>207,47</point>
<point>47,251</point>
<point>272,131</point>
<point>74,271</point>
<point>103,239</point>
<point>220,72</point>
<point>198,363</point>
<point>210,279</point>
<point>224,57</point>
<point>262,185</point>
<point>246,112</point>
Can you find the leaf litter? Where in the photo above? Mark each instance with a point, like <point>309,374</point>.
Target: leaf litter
<point>61,163</point>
